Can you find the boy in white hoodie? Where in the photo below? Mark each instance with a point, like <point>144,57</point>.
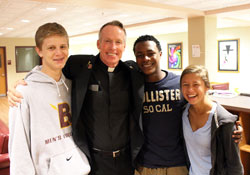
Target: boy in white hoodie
<point>40,127</point>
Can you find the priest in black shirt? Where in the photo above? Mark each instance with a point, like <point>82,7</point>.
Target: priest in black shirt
<point>107,97</point>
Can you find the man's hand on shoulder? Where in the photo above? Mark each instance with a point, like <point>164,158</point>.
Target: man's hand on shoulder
<point>237,134</point>
<point>14,96</point>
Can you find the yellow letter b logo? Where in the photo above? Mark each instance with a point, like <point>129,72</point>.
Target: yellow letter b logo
<point>64,115</point>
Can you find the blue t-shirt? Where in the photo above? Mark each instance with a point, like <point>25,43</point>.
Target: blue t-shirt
<point>198,144</point>
<point>162,112</point>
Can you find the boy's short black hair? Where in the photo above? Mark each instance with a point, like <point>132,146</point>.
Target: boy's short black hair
<point>144,38</point>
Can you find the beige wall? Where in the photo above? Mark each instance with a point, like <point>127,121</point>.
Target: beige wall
<point>241,79</point>
<point>90,48</point>
<point>237,80</point>
<point>196,36</point>
<point>164,40</point>
<point>9,44</point>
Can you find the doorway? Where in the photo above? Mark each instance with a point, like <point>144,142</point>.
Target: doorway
<point>3,82</point>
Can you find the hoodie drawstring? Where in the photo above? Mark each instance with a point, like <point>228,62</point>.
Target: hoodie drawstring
<point>58,91</point>
<point>64,85</point>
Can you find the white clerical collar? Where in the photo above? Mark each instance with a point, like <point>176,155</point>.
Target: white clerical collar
<point>111,69</point>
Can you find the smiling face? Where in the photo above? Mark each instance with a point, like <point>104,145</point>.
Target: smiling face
<point>54,53</point>
<point>193,88</point>
<point>148,58</point>
<point>111,45</point>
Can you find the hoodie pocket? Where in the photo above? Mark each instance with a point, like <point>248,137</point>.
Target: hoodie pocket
<point>71,162</point>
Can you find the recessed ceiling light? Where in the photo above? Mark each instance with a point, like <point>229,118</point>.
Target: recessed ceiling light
<point>1,33</point>
<point>87,24</point>
<point>51,9</point>
<point>25,20</point>
<point>124,15</point>
<point>10,28</point>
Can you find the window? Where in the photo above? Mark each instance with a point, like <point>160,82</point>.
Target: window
<point>26,58</point>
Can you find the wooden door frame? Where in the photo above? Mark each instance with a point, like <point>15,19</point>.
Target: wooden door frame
<point>5,70</point>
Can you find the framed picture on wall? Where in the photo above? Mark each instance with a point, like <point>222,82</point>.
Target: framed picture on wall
<point>228,55</point>
<point>175,56</point>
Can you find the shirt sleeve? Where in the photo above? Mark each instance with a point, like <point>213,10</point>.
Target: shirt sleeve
<point>21,162</point>
<point>75,64</point>
<point>66,70</point>
<point>232,156</point>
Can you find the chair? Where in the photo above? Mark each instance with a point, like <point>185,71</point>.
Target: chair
<point>220,86</point>
<point>4,155</point>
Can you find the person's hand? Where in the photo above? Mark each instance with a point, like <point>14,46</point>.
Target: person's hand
<point>237,134</point>
<point>13,95</point>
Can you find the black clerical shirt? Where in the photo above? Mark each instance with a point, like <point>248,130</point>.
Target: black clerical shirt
<point>106,107</point>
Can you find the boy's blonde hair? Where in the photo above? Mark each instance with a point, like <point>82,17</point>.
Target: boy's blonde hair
<point>47,30</point>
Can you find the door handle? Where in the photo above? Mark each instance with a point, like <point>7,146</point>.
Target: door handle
<point>3,75</point>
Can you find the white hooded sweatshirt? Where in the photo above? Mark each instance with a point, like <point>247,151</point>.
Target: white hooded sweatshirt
<point>41,140</point>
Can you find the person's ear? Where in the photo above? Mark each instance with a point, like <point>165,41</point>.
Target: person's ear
<point>39,52</point>
<point>160,53</point>
<point>98,44</point>
<point>125,43</point>
<point>207,88</point>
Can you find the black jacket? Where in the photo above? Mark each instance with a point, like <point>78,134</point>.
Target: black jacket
<point>225,157</point>
<point>224,151</point>
<point>78,68</point>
